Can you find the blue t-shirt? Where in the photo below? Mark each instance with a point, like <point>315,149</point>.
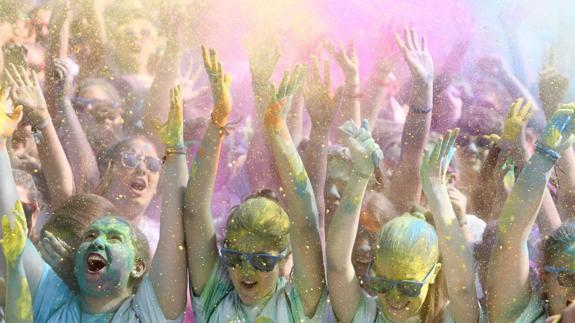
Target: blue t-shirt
<point>55,302</point>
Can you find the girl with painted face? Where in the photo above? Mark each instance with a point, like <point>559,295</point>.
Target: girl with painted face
<point>510,296</point>
<point>406,274</point>
<point>116,281</point>
<point>240,282</point>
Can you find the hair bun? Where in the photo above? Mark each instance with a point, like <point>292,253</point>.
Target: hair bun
<point>420,212</point>
<point>265,193</point>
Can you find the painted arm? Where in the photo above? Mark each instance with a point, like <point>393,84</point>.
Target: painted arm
<point>345,290</point>
<point>405,181</point>
<point>26,92</point>
<point>80,154</point>
<point>300,200</point>
<point>93,30</point>
<point>348,62</point>
<point>199,228</point>
<point>553,87</point>
<point>508,283</point>
<point>169,272</point>
<point>456,252</point>
<point>321,107</point>
<point>33,263</point>
<point>18,305</point>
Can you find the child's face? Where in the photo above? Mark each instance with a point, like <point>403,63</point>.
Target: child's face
<point>252,286</point>
<point>560,287</point>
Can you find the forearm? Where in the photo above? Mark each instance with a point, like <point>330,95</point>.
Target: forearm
<point>405,181</point>
<point>373,101</point>
<point>517,90</point>
<point>18,307</point>
<point>78,150</point>
<point>8,193</point>
<point>55,166</point>
<point>349,108</point>
<point>295,120</point>
<point>94,31</point>
<point>548,219</point>
<point>315,162</point>
<point>169,269</point>
<point>199,228</point>
<point>566,178</point>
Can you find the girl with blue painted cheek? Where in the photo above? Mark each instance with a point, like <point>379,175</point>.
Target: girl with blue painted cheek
<point>240,282</point>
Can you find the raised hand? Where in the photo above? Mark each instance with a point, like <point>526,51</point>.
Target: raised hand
<point>516,119</point>
<point>494,66</point>
<point>417,56</point>
<point>319,102</point>
<point>57,253</point>
<point>221,84</point>
<point>558,134</point>
<point>363,148</point>
<point>280,99</point>
<point>552,86</point>
<point>26,91</point>
<point>15,235</point>
<point>347,61</point>
<point>8,123</point>
<point>172,131</point>
<point>263,57</point>
<point>64,78</point>
<point>436,162</point>
<point>459,203</point>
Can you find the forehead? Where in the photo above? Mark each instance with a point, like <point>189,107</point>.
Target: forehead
<point>140,146</point>
<point>338,168</point>
<point>94,91</point>
<point>246,241</point>
<point>565,258</point>
<point>110,224</point>
<point>401,267</point>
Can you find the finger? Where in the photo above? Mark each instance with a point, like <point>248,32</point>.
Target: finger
<point>350,50</point>
<point>436,153</point>
<point>17,76</point>
<point>316,76</point>
<point>445,144</point>
<point>283,85</point>
<point>17,114</point>
<point>525,110</point>
<point>11,79</point>
<point>206,58</point>
<point>362,135</point>
<point>342,55</point>
<point>24,75</point>
<point>424,44</point>
<point>272,93</point>
<point>213,59</point>
<point>413,38</point>
<point>297,76</point>
<point>337,96</point>
<point>513,108</point>
<point>6,227</point>
<point>400,43</point>
<point>156,124</point>
<point>326,76</point>
<point>365,124</point>
<point>35,81</point>
<point>452,138</point>
<point>50,251</point>
<point>57,245</point>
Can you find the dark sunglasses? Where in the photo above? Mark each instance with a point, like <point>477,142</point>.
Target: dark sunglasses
<point>409,288</point>
<point>81,103</point>
<point>132,160</point>
<point>260,261</point>
<point>565,277</point>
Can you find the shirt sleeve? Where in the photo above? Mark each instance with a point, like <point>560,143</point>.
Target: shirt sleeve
<point>51,294</point>
<point>218,286</point>
<point>146,304</point>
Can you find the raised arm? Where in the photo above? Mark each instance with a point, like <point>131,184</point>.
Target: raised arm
<point>200,232</point>
<point>405,181</point>
<point>169,270</point>
<point>349,108</point>
<point>345,290</point>
<point>508,283</point>
<point>33,263</point>
<point>26,92</point>
<point>300,200</point>
<point>321,107</point>
<point>18,299</point>
<point>456,253</point>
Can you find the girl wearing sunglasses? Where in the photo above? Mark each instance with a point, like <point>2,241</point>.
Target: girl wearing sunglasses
<point>406,275</point>
<point>510,296</point>
<point>241,282</point>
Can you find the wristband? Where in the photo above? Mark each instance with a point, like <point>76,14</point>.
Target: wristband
<point>422,110</point>
<point>42,125</point>
<point>36,131</point>
<point>547,152</point>
<point>177,150</point>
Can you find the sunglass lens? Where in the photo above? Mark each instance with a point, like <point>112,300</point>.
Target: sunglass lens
<point>130,160</point>
<point>410,289</point>
<point>153,164</point>
<point>263,263</point>
<point>231,258</point>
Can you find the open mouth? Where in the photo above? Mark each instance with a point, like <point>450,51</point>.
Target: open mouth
<point>248,284</point>
<point>138,185</point>
<point>95,263</point>
<point>398,307</point>
<point>568,302</point>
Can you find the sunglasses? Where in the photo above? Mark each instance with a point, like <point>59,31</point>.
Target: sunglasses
<point>260,261</point>
<point>409,288</point>
<point>81,103</point>
<point>565,277</point>
<point>132,160</point>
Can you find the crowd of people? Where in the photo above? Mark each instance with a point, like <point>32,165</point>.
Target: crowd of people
<point>128,194</point>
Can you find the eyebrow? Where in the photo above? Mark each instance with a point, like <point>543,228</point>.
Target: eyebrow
<point>112,231</point>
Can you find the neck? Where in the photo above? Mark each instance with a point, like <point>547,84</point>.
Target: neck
<point>107,304</point>
<point>135,65</point>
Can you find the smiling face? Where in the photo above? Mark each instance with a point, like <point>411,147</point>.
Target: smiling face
<point>252,286</point>
<point>136,41</point>
<point>132,189</point>
<point>408,266</point>
<point>559,296</point>
<point>106,259</point>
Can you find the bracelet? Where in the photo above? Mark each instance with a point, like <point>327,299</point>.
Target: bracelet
<point>360,174</point>
<point>42,125</point>
<point>548,152</point>
<point>178,150</point>
<point>422,110</point>
<point>223,129</point>
<point>37,133</point>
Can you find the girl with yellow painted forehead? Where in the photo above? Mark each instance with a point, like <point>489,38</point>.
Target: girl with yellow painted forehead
<point>240,282</point>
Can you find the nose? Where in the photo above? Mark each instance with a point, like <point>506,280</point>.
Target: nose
<point>98,243</point>
<point>333,193</point>
<point>246,267</point>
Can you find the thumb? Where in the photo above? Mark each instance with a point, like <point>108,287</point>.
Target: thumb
<point>17,114</point>
<point>156,124</point>
<point>365,124</point>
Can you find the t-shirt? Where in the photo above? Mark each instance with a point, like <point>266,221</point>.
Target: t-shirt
<point>534,312</point>
<point>219,302</point>
<point>369,312</point>
<point>55,302</point>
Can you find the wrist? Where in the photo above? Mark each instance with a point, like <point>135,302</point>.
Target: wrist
<point>360,174</point>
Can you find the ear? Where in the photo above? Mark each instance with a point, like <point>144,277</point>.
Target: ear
<point>435,273</point>
<point>139,269</point>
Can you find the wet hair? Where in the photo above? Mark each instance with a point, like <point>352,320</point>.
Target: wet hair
<point>261,215</point>
<point>556,243</point>
<point>411,233</point>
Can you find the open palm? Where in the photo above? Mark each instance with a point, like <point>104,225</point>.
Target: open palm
<point>416,55</point>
